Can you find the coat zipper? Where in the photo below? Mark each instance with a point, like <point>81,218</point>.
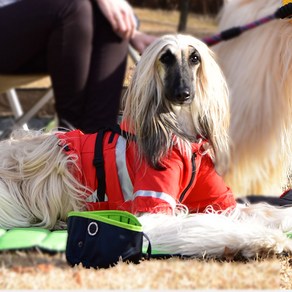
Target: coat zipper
<point>191,180</point>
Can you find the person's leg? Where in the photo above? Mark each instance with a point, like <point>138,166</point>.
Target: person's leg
<point>58,35</point>
<point>23,38</point>
<point>54,36</point>
<point>69,58</point>
<point>104,87</point>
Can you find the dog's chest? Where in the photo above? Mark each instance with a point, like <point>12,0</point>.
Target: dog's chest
<point>185,120</point>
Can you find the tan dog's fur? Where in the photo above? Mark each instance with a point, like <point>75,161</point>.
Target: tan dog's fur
<point>258,68</point>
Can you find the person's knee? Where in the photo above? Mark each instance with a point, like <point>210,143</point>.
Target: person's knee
<point>78,15</point>
<point>82,7</point>
<point>77,10</point>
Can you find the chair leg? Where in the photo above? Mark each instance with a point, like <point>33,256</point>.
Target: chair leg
<point>22,118</point>
<point>34,110</point>
<point>134,54</point>
<point>15,105</point>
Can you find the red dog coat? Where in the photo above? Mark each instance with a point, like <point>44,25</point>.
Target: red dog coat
<point>132,185</point>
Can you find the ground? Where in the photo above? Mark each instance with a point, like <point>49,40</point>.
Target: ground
<point>27,270</point>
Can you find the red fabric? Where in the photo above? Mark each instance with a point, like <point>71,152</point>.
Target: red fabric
<point>81,145</point>
<point>208,188</point>
<point>285,193</point>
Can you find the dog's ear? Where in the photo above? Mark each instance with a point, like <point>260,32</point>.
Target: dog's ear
<point>144,90</point>
<point>143,100</point>
<point>212,104</point>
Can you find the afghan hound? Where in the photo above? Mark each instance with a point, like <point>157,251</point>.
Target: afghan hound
<point>258,69</point>
<point>161,163</point>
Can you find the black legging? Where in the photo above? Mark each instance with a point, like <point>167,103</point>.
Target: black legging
<point>73,42</point>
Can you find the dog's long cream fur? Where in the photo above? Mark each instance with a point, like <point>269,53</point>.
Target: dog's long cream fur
<point>38,188</point>
<point>258,68</point>
<point>247,232</point>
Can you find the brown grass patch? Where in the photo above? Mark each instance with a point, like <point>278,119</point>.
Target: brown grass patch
<point>33,270</point>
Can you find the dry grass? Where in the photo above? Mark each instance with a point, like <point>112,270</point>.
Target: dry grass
<point>38,271</point>
<point>161,22</point>
<point>33,270</point>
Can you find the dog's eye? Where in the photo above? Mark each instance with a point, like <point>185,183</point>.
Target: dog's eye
<point>167,58</point>
<point>195,58</point>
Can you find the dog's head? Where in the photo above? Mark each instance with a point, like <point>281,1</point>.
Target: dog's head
<point>177,93</point>
<point>177,67</point>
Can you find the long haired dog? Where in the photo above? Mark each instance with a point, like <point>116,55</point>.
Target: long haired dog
<point>258,69</point>
<point>174,94</point>
<point>161,167</point>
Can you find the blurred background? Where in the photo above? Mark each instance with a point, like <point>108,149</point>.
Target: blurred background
<point>158,17</point>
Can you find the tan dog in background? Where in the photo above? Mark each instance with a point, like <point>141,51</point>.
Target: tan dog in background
<point>258,68</point>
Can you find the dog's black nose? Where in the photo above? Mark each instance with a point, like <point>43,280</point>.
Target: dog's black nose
<point>182,94</point>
